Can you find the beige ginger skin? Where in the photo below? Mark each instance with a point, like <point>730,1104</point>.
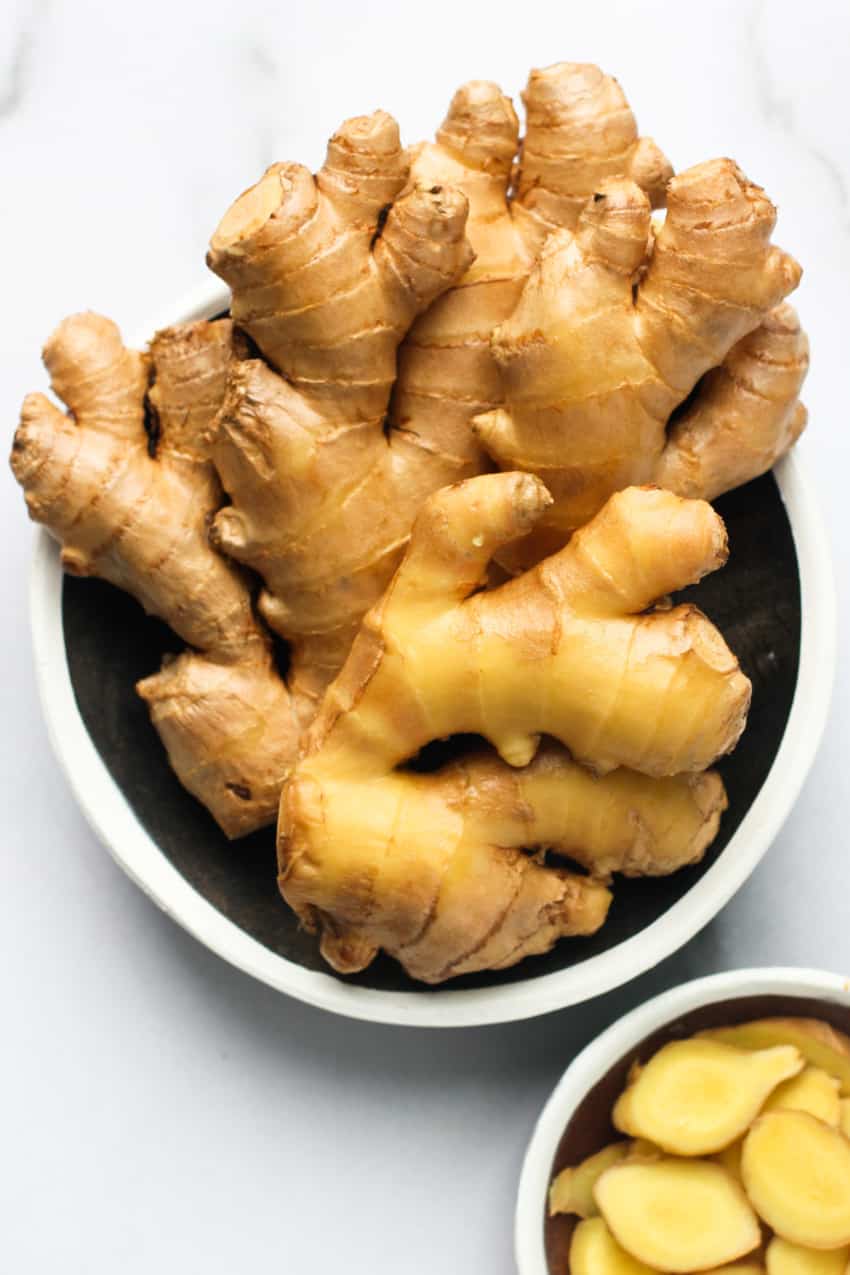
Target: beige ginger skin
<point>325,472</point>
<point>616,326</point>
<point>376,858</point>
<point>139,519</point>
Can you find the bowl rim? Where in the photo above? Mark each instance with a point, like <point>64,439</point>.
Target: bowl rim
<point>132,847</point>
<point>596,1059</point>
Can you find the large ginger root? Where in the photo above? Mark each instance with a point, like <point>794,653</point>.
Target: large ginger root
<point>133,509</point>
<point>431,868</point>
<point>615,328</point>
<point>324,483</point>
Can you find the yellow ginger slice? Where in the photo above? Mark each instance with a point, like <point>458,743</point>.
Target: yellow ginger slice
<point>678,1215</point>
<point>789,1259</point>
<point>814,1090</point>
<point>844,1117</point>
<point>594,1251</point>
<point>643,1149</point>
<point>572,1189</point>
<point>695,1097</point>
<point>820,1044</point>
<point>796,1173</point>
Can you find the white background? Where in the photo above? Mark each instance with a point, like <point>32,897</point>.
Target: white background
<point>160,1112</point>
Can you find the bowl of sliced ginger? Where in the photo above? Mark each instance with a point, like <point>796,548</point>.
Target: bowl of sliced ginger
<point>431,615</point>
<point>708,1130</point>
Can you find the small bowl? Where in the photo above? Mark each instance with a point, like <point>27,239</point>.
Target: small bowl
<point>576,1121</point>
<point>773,602</point>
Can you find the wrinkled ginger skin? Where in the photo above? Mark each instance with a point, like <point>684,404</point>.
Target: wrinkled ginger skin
<point>327,275</point>
<point>607,339</point>
<point>140,521</point>
<point>432,869</point>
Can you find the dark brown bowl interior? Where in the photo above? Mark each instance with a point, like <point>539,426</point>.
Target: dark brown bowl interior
<point>590,1128</point>
<point>755,600</point>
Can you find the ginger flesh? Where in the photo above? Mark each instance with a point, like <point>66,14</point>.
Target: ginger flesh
<point>788,1168</point>
<point>790,1259</point>
<point>796,1171</point>
<point>375,858</point>
<point>678,1215</point>
<point>594,1251</point>
<point>818,1042</point>
<point>813,1090</point>
<point>572,1189</point>
<point>695,1097</point>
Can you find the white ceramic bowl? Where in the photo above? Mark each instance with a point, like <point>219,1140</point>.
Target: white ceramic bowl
<point>616,1044</point>
<point>138,854</point>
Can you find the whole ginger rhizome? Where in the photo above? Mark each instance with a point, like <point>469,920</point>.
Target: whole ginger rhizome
<point>452,444</point>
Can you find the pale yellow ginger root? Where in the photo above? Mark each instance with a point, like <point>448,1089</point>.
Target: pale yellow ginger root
<point>579,130</point>
<point>594,1251</point>
<point>695,1097</point>
<point>572,1189</point>
<point>431,868</point>
<point>325,483</point>
<point>796,1172</point>
<point>790,1259</point>
<point>678,1215</point>
<point>134,509</point>
<point>813,1090</point>
<point>327,274</point>
<point>615,328</point>
<point>820,1044</point>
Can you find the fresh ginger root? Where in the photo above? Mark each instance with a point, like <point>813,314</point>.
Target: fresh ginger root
<point>615,328</point>
<point>579,130</point>
<point>327,275</point>
<point>325,482</point>
<point>133,509</point>
<point>812,1090</point>
<point>431,868</point>
<point>572,1190</point>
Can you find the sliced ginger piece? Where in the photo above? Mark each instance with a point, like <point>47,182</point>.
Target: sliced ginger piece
<point>643,1149</point>
<point>844,1116</point>
<point>813,1090</point>
<point>572,1189</point>
<point>796,1172</point>
<point>784,1258</point>
<point>695,1097</point>
<point>594,1251</point>
<point>678,1215</point>
<point>820,1044</point>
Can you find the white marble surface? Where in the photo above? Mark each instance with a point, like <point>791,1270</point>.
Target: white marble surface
<point>160,1111</point>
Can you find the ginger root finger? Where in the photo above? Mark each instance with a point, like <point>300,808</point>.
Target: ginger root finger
<point>678,1215</point>
<point>820,1044</point>
<point>745,414</point>
<point>603,346</point>
<point>695,1097</point>
<point>558,651</point>
<point>796,1172</point>
<point>134,509</point>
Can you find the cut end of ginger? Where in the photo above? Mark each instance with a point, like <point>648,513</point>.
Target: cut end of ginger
<point>695,1097</point>
<point>678,1215</point>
